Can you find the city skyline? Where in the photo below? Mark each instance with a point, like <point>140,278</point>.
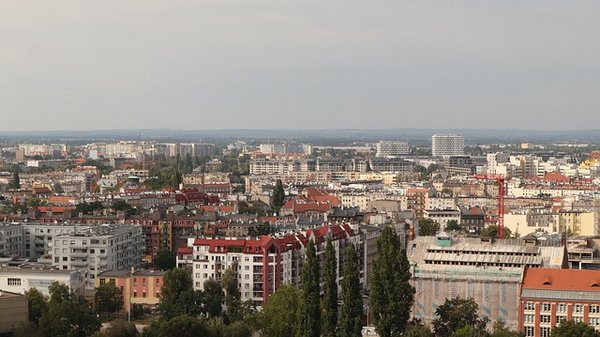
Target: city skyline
<point>68,65</point>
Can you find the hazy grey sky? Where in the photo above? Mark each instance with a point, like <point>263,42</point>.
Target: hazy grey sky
<point>205,64</point>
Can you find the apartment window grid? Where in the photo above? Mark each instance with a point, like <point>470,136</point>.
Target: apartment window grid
<point>578,309</point>
<point>594,309</point>
<point>594,321</point>
<point>545,331</point>
<point>561,307</point>
<point>529,331</point>
<point>578,319</point>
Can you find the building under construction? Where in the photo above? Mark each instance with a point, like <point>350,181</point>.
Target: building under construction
<point>444,267</point>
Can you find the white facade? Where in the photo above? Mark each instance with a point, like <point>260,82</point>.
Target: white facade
<point>20,280</point>
<point>447,145</point>
<point>103,248</point>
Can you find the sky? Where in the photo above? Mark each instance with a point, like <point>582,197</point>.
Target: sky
<point>299,64</point>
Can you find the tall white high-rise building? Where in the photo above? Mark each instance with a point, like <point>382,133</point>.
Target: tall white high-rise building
<point>447,145</point>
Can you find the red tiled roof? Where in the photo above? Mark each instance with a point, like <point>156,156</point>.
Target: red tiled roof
<point>185,250</point>
<point>561,279</point>
<point>557,177</point>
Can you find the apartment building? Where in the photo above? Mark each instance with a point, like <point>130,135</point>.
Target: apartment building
<point>550,296</point>
<point>12,240</point>
<point>267,263</point>
<point>139,287</point>
<point>107,247</point>
<point>387,148</point>
<point>442,216</point>
<point>525,221</point>
<point>447,145</point>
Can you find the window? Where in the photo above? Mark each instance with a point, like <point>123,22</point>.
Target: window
<point>559,319</point>
<point>594,309</point>
<point>545,331</point>
<point>14,281</point>
<point>594,321</point>
<point>577,319</point>
<point>102,281</point>
<point>577,308</point>
<point>561,307</point>
<point>529,318</point>
<point>529,306</point>
<point>545,319</point>
<point>529,331</point>
<point>546,307</point>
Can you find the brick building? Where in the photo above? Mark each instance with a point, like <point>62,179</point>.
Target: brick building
<point>549,296</point>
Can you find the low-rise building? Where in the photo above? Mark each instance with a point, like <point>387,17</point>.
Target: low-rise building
<point>21,279</point>
<point>138,287</point>
<point>14,311</point>
<point>550,296</point>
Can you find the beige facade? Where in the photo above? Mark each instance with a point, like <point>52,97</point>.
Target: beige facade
<point>13,311</point>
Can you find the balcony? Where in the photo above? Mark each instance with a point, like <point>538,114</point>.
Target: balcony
<point>79,263</point>
<point>79,254</point>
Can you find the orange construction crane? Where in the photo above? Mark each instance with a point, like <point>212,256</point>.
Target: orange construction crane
<point>502,190</point>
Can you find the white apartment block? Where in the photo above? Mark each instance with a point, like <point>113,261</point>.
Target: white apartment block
<point>106,247</point>
<point>442,217</point>
<point>19,280</point>
<point>387,148</point>
<point>447,145</point>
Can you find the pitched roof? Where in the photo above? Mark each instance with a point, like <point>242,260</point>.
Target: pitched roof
<point>561,279</point>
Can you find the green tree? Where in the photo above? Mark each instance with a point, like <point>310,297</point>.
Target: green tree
<point>492,232</point>
<point>27,329</point>
<point>309,314</point>
<point>350,323</point>
<point>37,304</point>
<point>178,296</point>
<point>391,295</point>
<point>183,326</point>
<point>109,298</point>
<point>417,329</point>
<point>572,329</point>
<point>165,260</point>
<point>330,292</point>
<point>118,328</point>
<point>229,283</point>
<point>236,329</point>
<point>67,317</point>
<point>428,227</point>
<point>452,225</point>
<point>499,329</point>
<point>278,195</point>
<point>176,179</point>
<point>279,314</point>
<point>213,298</point>
<point>15,182</point>
<point>455,314</point>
